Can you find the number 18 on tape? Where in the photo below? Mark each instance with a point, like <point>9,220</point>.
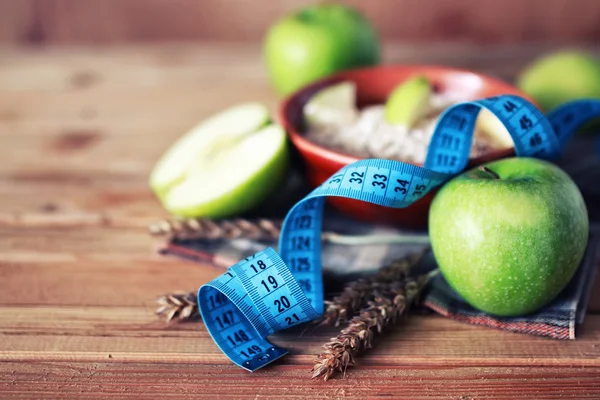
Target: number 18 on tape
<point>269,292</point>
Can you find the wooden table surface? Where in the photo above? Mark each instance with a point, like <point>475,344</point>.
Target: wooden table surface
<point>80,129</point>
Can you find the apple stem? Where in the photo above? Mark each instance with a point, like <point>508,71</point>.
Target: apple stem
<point>489,171</point>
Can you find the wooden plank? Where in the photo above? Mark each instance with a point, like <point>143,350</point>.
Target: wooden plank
<point>68,203</point>
<point>83,241</point>
<point>90,333</point>
<point>68,70</point>
<point>96,351</point>
<point>18,22</point>
<point>67,256</point>
<point>65,280</point>
<point>65,159</point>
<point>60,123</point>
<point>64,112</point>
<point>114,21</point>
<point>163,91</point>
<point>109,379</point>
<point>80,274</point>
<point>90,265</point>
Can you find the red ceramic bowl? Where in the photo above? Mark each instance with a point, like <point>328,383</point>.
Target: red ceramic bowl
<point>373,87</point>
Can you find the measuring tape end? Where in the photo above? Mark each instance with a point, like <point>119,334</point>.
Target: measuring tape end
<point>266,357</point>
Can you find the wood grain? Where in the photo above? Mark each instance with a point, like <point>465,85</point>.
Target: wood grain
<point>134,333</point>
<point>80,129</point>
<point>125,351</point>
<point>18,22</point>
<point>117,21</point>
<point>120,261</point>
<point>106,379</point>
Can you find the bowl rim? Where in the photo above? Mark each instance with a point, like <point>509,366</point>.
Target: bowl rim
<point>307,146</point>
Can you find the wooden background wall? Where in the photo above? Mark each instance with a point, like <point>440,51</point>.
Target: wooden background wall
<point>110,21</point>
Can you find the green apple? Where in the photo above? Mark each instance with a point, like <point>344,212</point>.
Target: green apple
<point>409,102</point>
<point>332,105</point>
<point>224,166</point>
<point>508,236</point>
<point>315,42</point>
<point>561,77</point>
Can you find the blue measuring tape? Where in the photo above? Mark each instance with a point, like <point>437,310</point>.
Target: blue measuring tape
<point>269,292</point>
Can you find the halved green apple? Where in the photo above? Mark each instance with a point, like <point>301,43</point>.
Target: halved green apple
<point>224,166</point>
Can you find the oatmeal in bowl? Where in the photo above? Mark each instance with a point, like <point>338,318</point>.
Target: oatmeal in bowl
<point>362,113</point>
<point>371,132</point>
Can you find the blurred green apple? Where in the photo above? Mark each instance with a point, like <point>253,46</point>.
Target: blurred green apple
<point>561,77</point>
<point>509,236</point>
<point>315,42</point>
<point>226,165</point>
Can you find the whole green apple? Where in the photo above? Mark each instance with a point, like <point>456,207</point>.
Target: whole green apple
<point>508,236</point>
<point>318,41</point>
<point>561,77</point>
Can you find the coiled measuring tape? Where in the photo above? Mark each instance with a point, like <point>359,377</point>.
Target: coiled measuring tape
<point>268,292</point>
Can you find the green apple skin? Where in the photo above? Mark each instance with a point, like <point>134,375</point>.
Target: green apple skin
<point>315,42</point>
<point>561,77</point>
<point>508,246</point>
<point>245,197</point>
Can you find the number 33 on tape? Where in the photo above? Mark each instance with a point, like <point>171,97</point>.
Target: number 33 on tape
<point>269,292</point>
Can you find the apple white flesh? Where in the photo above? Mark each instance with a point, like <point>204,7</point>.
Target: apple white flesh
<point>332,105</point>
<point>509,236</point>
<point>490,127</point>
<point>230,124</point>
<point>223,167</point>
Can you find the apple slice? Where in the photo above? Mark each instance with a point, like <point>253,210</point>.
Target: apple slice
<point>334,105</point>
<point>224,166</point>
<point>491,130</point>
<point>409,102</point>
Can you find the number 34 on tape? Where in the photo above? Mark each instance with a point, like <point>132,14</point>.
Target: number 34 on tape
<point>269,292</point>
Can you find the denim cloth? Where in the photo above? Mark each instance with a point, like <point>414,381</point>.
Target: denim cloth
<point>343,263</point>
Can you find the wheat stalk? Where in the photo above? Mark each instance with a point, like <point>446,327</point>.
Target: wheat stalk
<point>181,306</point>
<point>261,229</point>
<point>387,304</point>
<point>356,293</point>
